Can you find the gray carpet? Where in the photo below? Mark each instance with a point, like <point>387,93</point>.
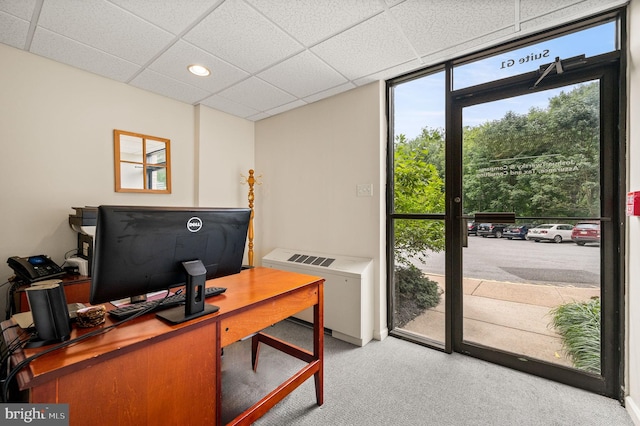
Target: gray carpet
<point>400,383</point>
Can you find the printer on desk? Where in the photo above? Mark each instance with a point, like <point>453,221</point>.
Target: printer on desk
<point>84,223</point>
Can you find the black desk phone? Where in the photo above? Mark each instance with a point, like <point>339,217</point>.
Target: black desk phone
<point>34,268</point>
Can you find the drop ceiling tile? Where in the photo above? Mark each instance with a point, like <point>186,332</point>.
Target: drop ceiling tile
<point>62,49</point>
<point>241,36</point>
<point>177,58</point>
<point>286,107</point>
<point>469,46</point>
<point>371,46</point>
<point>303,75</point>
<point>258,116</point>
<point>228,106</point>
<point>19,8</point>
<point>533,8</point>
<point>257,94</point>
<point>311,21</point>
<point>13,30</point>
<point>105,26</point>
<point>162,85</point>
<point>390,72</point>
<point>330,92</point>
<point>432,26</point>
<point>566,14</point>
<point>171,15</point>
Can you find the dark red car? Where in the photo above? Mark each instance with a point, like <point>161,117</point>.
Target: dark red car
<point>586,232</point>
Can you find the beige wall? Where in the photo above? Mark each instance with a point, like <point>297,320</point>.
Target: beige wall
<point>633,223</point>
<point>311,160</point>
<point>56,134</point>
<point>224,153</point>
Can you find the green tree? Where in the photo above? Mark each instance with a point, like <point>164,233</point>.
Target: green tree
<point>419,188</point>
<point>543,163</point>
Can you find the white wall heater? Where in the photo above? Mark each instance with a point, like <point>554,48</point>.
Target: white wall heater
<point>348,290</point>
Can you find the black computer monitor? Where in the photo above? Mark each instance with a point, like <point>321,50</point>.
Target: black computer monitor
<point>139,250</point>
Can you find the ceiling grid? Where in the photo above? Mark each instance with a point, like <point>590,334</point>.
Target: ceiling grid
<point>269,56</point>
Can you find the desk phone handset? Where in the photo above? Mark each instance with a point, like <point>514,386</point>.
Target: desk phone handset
<point>34,268</point>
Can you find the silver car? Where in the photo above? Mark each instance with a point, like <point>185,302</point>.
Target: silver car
<point>556,232</point>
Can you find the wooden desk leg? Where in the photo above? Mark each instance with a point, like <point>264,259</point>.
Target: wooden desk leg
<point>318,344</point>
<point>255,351</point>
<point>218,378</point>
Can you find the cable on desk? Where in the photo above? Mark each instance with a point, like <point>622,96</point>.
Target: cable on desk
<point>12,343</point>
<point>17,343</point>
<point>26,361</point>
<point>10,300</point>
<point>11,347</point>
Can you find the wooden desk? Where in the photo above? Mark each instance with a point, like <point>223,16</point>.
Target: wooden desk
<point>147,371</point>
<point>76,289</point>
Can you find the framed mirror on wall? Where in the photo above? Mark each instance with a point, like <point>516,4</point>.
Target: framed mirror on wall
<point>142,163</point>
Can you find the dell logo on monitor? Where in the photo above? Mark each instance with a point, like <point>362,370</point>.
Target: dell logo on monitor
<point>194,224</point>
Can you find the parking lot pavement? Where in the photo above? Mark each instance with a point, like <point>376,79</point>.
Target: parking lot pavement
<point>520,261</point>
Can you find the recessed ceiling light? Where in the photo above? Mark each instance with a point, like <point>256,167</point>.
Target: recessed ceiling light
<point>199,70</point>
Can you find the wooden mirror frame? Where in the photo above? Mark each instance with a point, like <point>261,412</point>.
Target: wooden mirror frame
<point>143,169</point>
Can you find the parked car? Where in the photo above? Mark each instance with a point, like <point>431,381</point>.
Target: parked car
<point>586,232</point>
<point>556,232</point>
<point>491,229</point>
<point>472,228</point>
<point>517,231</point>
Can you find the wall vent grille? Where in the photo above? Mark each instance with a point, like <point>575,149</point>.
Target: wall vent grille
<point>311,260</point>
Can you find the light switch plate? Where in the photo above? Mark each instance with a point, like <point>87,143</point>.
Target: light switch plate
<point>364,190</point>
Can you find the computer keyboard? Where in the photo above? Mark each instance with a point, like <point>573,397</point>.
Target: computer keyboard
<point>126,311</point>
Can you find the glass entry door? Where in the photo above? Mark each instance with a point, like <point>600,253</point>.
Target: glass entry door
<point>505,197</point>
<point>533,291</point>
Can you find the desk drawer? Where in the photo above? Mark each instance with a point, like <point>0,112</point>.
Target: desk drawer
<point>262,315</point>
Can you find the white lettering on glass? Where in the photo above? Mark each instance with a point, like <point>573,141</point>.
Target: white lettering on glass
<point>529,58</point>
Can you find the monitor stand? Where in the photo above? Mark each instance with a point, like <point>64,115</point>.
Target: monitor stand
<point>194,305</point>
<point>138,299</point>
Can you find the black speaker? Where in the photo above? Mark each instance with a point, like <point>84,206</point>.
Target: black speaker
<point>50,313</point>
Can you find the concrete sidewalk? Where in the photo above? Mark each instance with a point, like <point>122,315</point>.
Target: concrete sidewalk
<point>509,316</point>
